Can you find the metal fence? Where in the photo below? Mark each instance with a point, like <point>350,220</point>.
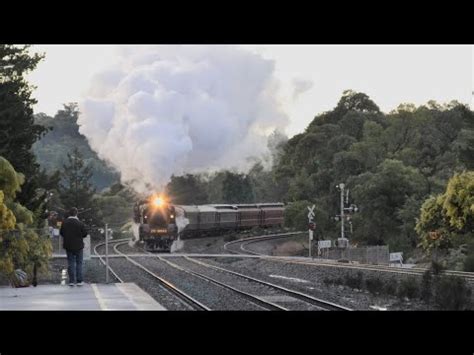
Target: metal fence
<point>363,255</point>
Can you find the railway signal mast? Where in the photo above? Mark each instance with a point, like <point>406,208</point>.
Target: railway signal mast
<point>343,242</point>
<point>311,226</point>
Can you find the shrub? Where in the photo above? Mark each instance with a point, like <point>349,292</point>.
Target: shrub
<point>390,287</point>
<point>469,263</point>
<point>426,282</point>
<point>354,282</point>
<point>436,268</point>
<point>374,285</point>
<point>452,293</point>
<point>408,288</point>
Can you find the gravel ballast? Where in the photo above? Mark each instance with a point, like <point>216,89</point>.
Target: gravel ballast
<point>310,280</point>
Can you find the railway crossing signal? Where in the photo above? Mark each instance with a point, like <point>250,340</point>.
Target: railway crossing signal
<point>311,213</point>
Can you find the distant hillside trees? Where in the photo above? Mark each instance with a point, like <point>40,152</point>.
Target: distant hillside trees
<point>390,162</point>
<point>62,138</point>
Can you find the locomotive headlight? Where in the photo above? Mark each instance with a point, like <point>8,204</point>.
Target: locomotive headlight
<point>158,201</point>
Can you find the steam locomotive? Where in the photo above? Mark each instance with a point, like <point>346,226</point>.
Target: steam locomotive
<point>158,223</point>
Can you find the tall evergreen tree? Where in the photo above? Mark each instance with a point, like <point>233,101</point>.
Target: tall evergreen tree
<point>76,190</point>
<point>17,129</point>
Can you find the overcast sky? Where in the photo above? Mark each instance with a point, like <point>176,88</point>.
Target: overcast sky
<point>312,78</point>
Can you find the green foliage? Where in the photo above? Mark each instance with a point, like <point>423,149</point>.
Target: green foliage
<point>10,180</point>
<point>408,288</point>
<point>464,146</point>
<point>264,186</point>
<point>237,188</point>
<point>77,190</point>
<point>382,195</point>
<point>20,244</point>
<point>426,285</point>
<point>187,190</point>
<point>390,287</point>
<point>452,293</point>
<point>390,162</point>
<point>62,138</point>
<point>17,129</point>
<point>374,285</point>
<point>355,282</point>
<point>115,204</point>
<point>469,263</point>
<point>447,292</point>
<point>296,215</point>
<point>448,216</point>
<point>7,218</point>
<point>458,205</point>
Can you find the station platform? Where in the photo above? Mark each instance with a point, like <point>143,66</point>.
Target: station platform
<point>96,297</point>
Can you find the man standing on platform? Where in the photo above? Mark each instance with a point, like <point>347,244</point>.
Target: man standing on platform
<point>73,232</point>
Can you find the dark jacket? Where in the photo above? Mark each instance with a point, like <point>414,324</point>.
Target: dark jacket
<point>73,231</point>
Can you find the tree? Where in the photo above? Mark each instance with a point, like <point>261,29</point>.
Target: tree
<point>263,184</point>
<point>187,190</point>
<point>51,150</point>
<point>296,217</point>
<point>20,245</point>
<point>464,146</point>
<point>17,129</point>
<point>381,195</point>
<point>458,204</point>
<point>76,189</point>
<point>447,217</point>
<point>237,188</point>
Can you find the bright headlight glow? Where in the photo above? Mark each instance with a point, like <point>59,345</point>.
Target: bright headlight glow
<point>158,201</point>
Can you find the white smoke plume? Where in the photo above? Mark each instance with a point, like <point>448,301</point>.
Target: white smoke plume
<point>164,110</point>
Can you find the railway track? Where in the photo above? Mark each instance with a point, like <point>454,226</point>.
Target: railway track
<point>166,284</point>
<point>239,246</point>
<point>469,276</point>
<point>101,258</point>
<point>280,290</point>
<point>169,287</point>
<point>264,294</point>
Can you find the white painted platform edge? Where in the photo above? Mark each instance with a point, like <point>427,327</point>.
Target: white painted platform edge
<point>141,299</point>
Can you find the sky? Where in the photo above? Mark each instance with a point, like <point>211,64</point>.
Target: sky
<point>311,77</point>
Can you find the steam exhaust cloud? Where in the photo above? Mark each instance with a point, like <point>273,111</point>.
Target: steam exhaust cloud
<point>164,110</point>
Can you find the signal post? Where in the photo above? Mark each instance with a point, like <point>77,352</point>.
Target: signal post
<point>311,226</point>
